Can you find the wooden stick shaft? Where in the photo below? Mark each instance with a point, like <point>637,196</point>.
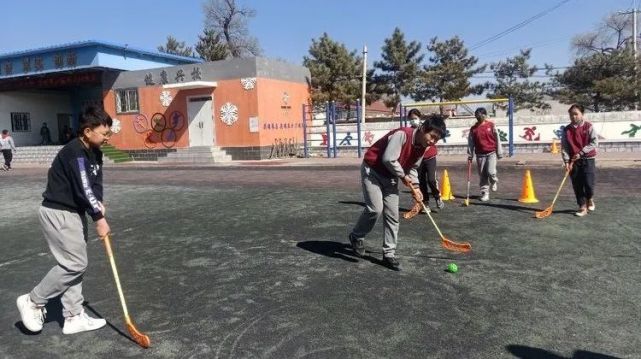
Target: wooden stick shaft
<point>432,219</point>
<point>110,254</point>
<point>560,188</point>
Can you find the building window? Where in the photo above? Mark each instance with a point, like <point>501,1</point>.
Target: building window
<point>20,122</point>
<point>127,100</point>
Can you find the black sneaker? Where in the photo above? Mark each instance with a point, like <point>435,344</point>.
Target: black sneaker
<point>358,246</point>
<point>392,263</point>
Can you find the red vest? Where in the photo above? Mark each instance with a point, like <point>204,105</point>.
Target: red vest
<point>430,153</point>
<point>483,137</point>
<point>410,154</point>
<point>579,137</point>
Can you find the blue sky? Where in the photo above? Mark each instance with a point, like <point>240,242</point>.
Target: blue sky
<point>285,28</point>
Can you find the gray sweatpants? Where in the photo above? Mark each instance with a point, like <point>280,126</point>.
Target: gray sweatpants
<point>381,197</point>
<point>486,165</point>
<point>66,234</point>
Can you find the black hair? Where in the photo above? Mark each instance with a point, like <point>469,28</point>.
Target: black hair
<point>414,111</point>
<point>578,107</point>
<point>92,118</point>
<point>480,111</point>
<point>4,132</point>
<point>436,123</point>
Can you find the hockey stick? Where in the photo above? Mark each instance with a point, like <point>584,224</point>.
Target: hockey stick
<point>469,176</point>
<point>445,242</point>
<point>140,338</point>
<point>548,211</point>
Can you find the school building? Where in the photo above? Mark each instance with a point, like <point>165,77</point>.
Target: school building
<point>159,102</point>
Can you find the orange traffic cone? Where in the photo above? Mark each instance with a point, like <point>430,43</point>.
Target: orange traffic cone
<point>527,192</point>
<point>554,149</point>
<point>446,189</point>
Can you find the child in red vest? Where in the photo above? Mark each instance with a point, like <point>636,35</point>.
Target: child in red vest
<point>396,156</point>
<point>579,142</point>
<point>484,142</point>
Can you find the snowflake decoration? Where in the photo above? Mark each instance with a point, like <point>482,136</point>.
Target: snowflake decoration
<point>248,83</point>
<point>115,125</point>
<point>165,98</point>
<point>229,113</point>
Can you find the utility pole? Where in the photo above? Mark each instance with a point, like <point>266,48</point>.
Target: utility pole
<point>635,51</point>
<point>363,87</point>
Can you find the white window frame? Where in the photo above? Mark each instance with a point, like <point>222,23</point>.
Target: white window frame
<point>127,98</point>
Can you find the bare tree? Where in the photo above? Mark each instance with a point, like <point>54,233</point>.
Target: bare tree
<point>614,33</point>
<point>226,17</point>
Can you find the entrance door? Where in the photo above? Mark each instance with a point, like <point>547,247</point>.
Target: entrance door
<point>201,121</point>
<point>64,127</point>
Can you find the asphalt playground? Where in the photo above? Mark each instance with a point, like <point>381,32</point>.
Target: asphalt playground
<point>252,262</point>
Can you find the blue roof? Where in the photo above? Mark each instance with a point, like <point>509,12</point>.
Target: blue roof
<point>88,43</point>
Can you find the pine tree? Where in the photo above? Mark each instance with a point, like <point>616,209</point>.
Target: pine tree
<point>176,47</point>
<point>210,47</point>
<point>399,67</point>
<point>335,71</point>
<point>513,80</point>
<point>447,76</point>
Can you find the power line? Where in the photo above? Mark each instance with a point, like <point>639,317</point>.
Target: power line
<point>517,26</point>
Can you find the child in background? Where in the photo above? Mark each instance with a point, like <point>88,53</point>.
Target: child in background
<point>484,142</point>
<point>8,147</point>
<point>579,143</point>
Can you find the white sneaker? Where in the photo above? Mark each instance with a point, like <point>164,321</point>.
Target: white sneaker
<point>82,323</point>
<point>33,317</point>
<point>591,205</point>
<point>495,187</point>
<point>582,212</point>
<point>485,197</point>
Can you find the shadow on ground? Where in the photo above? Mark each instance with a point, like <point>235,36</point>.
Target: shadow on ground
<point>525,352</point>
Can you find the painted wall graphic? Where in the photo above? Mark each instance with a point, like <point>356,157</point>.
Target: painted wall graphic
<point>632,132</point>
<point>229,113</point>
<point>347,140</point>
<point>529,134</point>
<point>165,98</point>
<point>159,130</point>
<point>457,135</point>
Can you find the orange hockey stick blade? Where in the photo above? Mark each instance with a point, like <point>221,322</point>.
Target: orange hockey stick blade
<point>544,213</point>
<point>138,337</point>
<point>456,246</point>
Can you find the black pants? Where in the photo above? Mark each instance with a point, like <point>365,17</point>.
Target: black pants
<point>583,180</point>
<point>427,178</point>
<point>8,156</point>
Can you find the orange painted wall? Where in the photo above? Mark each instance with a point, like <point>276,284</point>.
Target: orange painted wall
<point>271,106</point>
<point>149,104</point>
<point>236,135</point>
<point>264,101</point>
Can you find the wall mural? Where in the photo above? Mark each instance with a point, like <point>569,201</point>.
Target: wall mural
<point>229,113</point>
<point>632,132</point>
<point>248,83</point>
<point>165,98</point>
<point>115,125</point>
<point>159,130</point>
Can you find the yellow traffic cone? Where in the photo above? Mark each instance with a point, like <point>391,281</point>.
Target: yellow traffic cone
<point>446,189</point>
<point>527,191</point>
<point>554,149</point>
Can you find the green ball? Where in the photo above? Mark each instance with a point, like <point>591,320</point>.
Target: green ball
<point>452,268</point>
